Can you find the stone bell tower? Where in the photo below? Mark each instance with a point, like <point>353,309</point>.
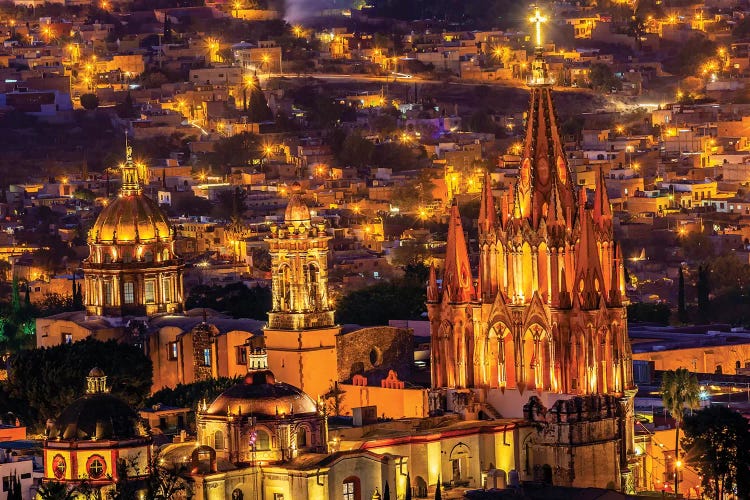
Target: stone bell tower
<point>301,333</point>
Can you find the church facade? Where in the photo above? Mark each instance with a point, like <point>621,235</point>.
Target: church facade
<point>541,332</point>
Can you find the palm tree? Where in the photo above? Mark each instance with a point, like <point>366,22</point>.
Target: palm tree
<point>679,389</point>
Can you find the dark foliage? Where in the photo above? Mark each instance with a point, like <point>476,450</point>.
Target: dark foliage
<point>649,313</point>
<point>376,304</point>
<point>47,380</point>
<point>717,444</point>
<point>235,299</point>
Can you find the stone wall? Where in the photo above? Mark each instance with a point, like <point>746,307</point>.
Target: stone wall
<point>374,351</point>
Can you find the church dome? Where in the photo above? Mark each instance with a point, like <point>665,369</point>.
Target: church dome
<point>129,218</point>
<point>262,396</point>
<point>96,416</point>
<point>296,211</point>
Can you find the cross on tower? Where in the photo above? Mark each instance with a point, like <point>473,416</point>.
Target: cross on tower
<point>538,19</point>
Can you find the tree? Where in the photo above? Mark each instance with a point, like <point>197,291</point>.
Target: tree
<point>438,494</point>
<point>334,399</point>
<point>258,110</point>
<point>408,487</point>
<point>717,442</point>
<point>601,78</point>
<point>376,304</point>
<point>191,395</point>
<point>165,481</point>
<point>681,311</point>
<point>49,379</point>
<point>89,101</point>
<point>704,289</point>
<point>356,151</point>
<point>679,389</point>
<point>53,490</point>
<point>237,150</point>
<point>386,491</point>
<point>236,299</point>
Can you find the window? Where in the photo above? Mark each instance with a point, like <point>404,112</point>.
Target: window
<point>67,338</point>
<point>301,438</point>
<point>278,496</point>
<point>58,466</point>
<point>128,292</point>
<point>6,482</point>
<point>96,466</point>
<point>165,290</point>
<point>351,488</point>
<point>172,351</point>
<point>149,292</point>
<point>218,440</point>
<point>107,292</point>
<point>241,355</point>
<point>207,356</point>
<point>262,441</point>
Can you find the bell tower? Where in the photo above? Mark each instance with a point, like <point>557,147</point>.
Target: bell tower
<point>301,333</point>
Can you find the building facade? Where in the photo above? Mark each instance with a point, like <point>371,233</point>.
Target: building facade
<point>542,332</point>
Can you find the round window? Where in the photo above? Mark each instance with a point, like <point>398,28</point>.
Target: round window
<point>96,467</point>
<point>376,356</point>
<point>59,466</point>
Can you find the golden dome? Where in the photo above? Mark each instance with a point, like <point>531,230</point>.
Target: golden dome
<point>296,211</point>
<point>129,218</point>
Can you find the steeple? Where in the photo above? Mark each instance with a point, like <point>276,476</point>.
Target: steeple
<point>543,162</point>
<point>487,214</point>
<point>433,294</point>
<point>457,279</point>
<point>131,184</point>
<point>589,279</point>
<point>602,207</point>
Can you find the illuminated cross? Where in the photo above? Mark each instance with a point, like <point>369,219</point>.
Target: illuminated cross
<point>538,19</point>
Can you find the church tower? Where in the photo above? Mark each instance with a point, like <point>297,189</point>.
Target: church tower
<point>132,269</point>
<point>301,333</point>
<point>543,333</point>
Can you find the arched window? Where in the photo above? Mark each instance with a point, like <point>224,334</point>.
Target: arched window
<point>165,255</point>
<point>148,256</point>
<point>301,437</point>
<point>351,489</point>
<point>284,288</point>
<point>218,440</point>
<point>262,441</point>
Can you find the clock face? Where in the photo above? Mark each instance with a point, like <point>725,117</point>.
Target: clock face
<point>59,466</point>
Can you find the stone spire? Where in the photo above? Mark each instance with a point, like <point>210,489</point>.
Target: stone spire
<point>589,279</point>
<point>457,279</point>
<point>131,184</point>
<point>602,207</point>
<point>433,293</point>
<point>487,213</point>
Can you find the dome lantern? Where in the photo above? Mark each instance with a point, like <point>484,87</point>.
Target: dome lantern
<point>131,183</point>
<point>96,382</point>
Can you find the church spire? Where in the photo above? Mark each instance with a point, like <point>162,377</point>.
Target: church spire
<point>131,184</point>
<point>433,294</point>
<point>589,279</point>
<point>487,213</point>
<point>602,207</point>
<point>457,279</point>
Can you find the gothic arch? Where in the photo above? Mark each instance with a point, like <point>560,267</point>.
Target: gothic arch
<point>532,357</point>
<point>502,356</point>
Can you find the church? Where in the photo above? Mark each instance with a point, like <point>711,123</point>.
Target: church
<point>541,332</point>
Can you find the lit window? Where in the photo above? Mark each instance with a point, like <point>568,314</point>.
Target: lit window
<point>165,290</point>
<point>241,355</point>
<point>207,357</point>
<point>68,338</point>
<point>128,292</point>
<point>107,292</point>
<point>172,351</point>
<point>350,488</point>
<point>149,292</point>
